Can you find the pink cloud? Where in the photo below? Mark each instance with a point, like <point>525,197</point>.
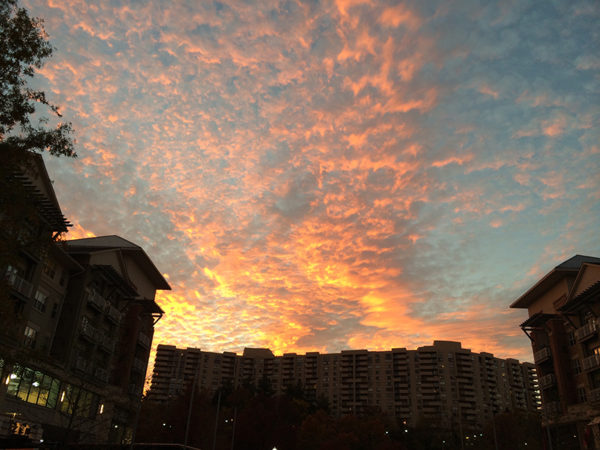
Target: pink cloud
<point>400,15</point>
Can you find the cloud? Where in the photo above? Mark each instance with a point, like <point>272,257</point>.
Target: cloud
<point>320,176</point>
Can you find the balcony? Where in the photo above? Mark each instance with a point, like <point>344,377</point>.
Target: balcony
<point>594,396</point>
<point>542,355</point>
<point>547,381</point>
<point>95,300</point>
<point>113,314</point>
<point>19,284</point>
<point>587,331</point>
<point>90,332</point>
<point>139,365</point>
<point>591,362</point>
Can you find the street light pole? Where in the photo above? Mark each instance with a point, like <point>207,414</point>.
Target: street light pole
<point>217,420</point>
<point>189,416</point>
<point>494,428</point>
<point>233,431</point>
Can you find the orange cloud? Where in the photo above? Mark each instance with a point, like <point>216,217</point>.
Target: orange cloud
<point>309,176</point>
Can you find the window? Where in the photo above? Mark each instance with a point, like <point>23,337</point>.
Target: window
<point>32,386</point>
<point>78,401</point>
<point>581,396</point>
<point>39,300</point>
<point>25,385</point>
<point>576,366</point>
<point>50,268</point>
<point>63,277</point>
<point>30,337</point>
<point>54,310</point>
<point>34,390</point>
<point>11,271</point>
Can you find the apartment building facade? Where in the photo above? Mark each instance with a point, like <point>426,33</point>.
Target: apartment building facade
<point>77,324</point>
<point>442,383</point>
<point>563,326</point>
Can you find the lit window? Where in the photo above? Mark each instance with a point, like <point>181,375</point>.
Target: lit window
<point>39,301</point>
<point>30,337</point>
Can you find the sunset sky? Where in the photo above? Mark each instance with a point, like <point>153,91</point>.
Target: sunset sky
<point>326,175</point>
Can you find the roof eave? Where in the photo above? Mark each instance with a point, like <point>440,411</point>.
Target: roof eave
<point>525,300</point>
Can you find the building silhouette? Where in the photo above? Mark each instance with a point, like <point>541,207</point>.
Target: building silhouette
<point>442,383</point>
<point>76,326</point>
<point>563,325</point>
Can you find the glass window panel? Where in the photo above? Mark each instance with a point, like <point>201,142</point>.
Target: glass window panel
<point>73,400</point>
<point>53,394</point>
<point>95,406</point>
<point>25,384</point>
<point>34,391</point>
<point>66,400</point>
<point>76,395</point>
<point>85,403</point>
<point>15,379</point>
<point>44,390</point>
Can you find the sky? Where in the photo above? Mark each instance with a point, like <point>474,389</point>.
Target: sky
<point>328,175</point>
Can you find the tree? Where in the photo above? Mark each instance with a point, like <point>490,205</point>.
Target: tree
<point>516,430</point>
<point>23,49</point>
<point>24,129</point>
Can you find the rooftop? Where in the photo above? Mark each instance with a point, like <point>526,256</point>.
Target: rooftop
<point>570,266</point>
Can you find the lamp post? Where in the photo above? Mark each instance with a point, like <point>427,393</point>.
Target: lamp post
<point>216,420</point>
<point>189,416</point>
<point>494,428</point>
<point>233,430</point>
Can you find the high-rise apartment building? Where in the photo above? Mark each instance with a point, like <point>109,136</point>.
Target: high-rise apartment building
<point>76,325</point>
<point>563,326</point>
<point>442,383</point>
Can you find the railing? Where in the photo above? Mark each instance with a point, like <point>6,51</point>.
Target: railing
<point>591,362</point>
<point>90,331</point>
<point>144,340</point>
<point>547,381</point>
<point>95,299</point>
<point>586,331</point>
<point>113,314</point>
<point>20,284</point>
<point>595,395</point>
<point>542,355</point>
